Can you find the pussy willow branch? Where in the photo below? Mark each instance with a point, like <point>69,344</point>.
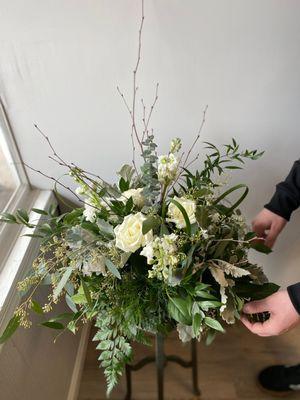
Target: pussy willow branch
<point>197,137</point>
<point>51,146</point>
<point>60,184</point>
<point>134,131</point>
<point>134,77</point>
<point>59,160</point>
<point>146,123</point>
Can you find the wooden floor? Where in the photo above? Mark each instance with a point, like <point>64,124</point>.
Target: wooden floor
<point>227,369</point>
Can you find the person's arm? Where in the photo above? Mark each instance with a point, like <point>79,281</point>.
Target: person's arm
<point>286,198</point>
<point>272,219</point>
<point>294,293</point>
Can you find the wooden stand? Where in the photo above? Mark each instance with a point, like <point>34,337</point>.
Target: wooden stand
<point>161,361</point>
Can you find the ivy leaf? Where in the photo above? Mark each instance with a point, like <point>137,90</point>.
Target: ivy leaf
<point>11,327</point>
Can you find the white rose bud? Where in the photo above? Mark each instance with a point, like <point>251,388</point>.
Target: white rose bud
<point>129,235</point>
<point>176,216</point>
<point>137,196</point>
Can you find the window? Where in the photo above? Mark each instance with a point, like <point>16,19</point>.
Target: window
<point>16,252</point>
<point>14,186</point>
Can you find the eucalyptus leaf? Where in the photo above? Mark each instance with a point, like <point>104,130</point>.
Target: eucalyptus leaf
<point>112,268</point>
<point>62,282</point>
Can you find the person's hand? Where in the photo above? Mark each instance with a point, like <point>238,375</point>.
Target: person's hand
<point>268,225</point>
<point>283,315</point>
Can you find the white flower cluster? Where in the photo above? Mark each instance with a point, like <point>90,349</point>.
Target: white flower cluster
<point>92,203</point>
<point>167,168</point>
<point>162,254</point>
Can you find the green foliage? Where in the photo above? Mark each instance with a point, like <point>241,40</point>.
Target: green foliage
<point>196,279</point>
<point>11,327</point>
<point>115,348</point>
<point>149,170</point>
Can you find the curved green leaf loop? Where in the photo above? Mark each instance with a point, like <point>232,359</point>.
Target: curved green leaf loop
<point>185,216</point>
<point>233,189</point>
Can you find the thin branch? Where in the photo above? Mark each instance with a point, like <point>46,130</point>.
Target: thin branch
<point>59,183</point>
<point>197,137</point>
<point>146,124</point>
<point>51,146</point>
<point>134,78</point>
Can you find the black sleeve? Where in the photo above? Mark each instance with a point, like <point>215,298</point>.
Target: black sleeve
<point>286,198</point>
<point>294,293</point>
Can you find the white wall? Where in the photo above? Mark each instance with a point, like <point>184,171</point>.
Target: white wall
<point>60,62</point>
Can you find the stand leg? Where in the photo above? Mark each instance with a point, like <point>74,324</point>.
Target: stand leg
<point>160,364</point>
<point>128,383</point>
<point>196,389</point>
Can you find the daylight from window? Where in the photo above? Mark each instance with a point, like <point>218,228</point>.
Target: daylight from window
<point>8,181</point>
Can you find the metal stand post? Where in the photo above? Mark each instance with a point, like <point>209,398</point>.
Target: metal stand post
<point>161,361</point>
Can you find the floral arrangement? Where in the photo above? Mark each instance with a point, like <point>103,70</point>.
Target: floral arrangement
<point>162,249</point>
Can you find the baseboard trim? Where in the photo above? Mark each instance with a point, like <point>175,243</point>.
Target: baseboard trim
<point>79,363</point>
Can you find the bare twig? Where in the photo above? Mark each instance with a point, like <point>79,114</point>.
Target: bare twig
<point>51,146</point>
<point>134,78</point>
<point>60,184</point>
<point>196,139</point>
<point>146,123</point>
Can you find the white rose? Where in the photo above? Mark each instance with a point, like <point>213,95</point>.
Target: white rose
<point>129,235</point>
<point>176,216</point>
<point>137,196</point>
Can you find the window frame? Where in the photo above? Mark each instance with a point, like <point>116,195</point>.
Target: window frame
<point>17,252</point>
<point>23,195</point>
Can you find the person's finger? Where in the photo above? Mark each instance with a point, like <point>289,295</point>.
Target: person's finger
<point>259,229</point>
<point>255,307</point>
<point>258,328</point>
<point>272,235</point>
